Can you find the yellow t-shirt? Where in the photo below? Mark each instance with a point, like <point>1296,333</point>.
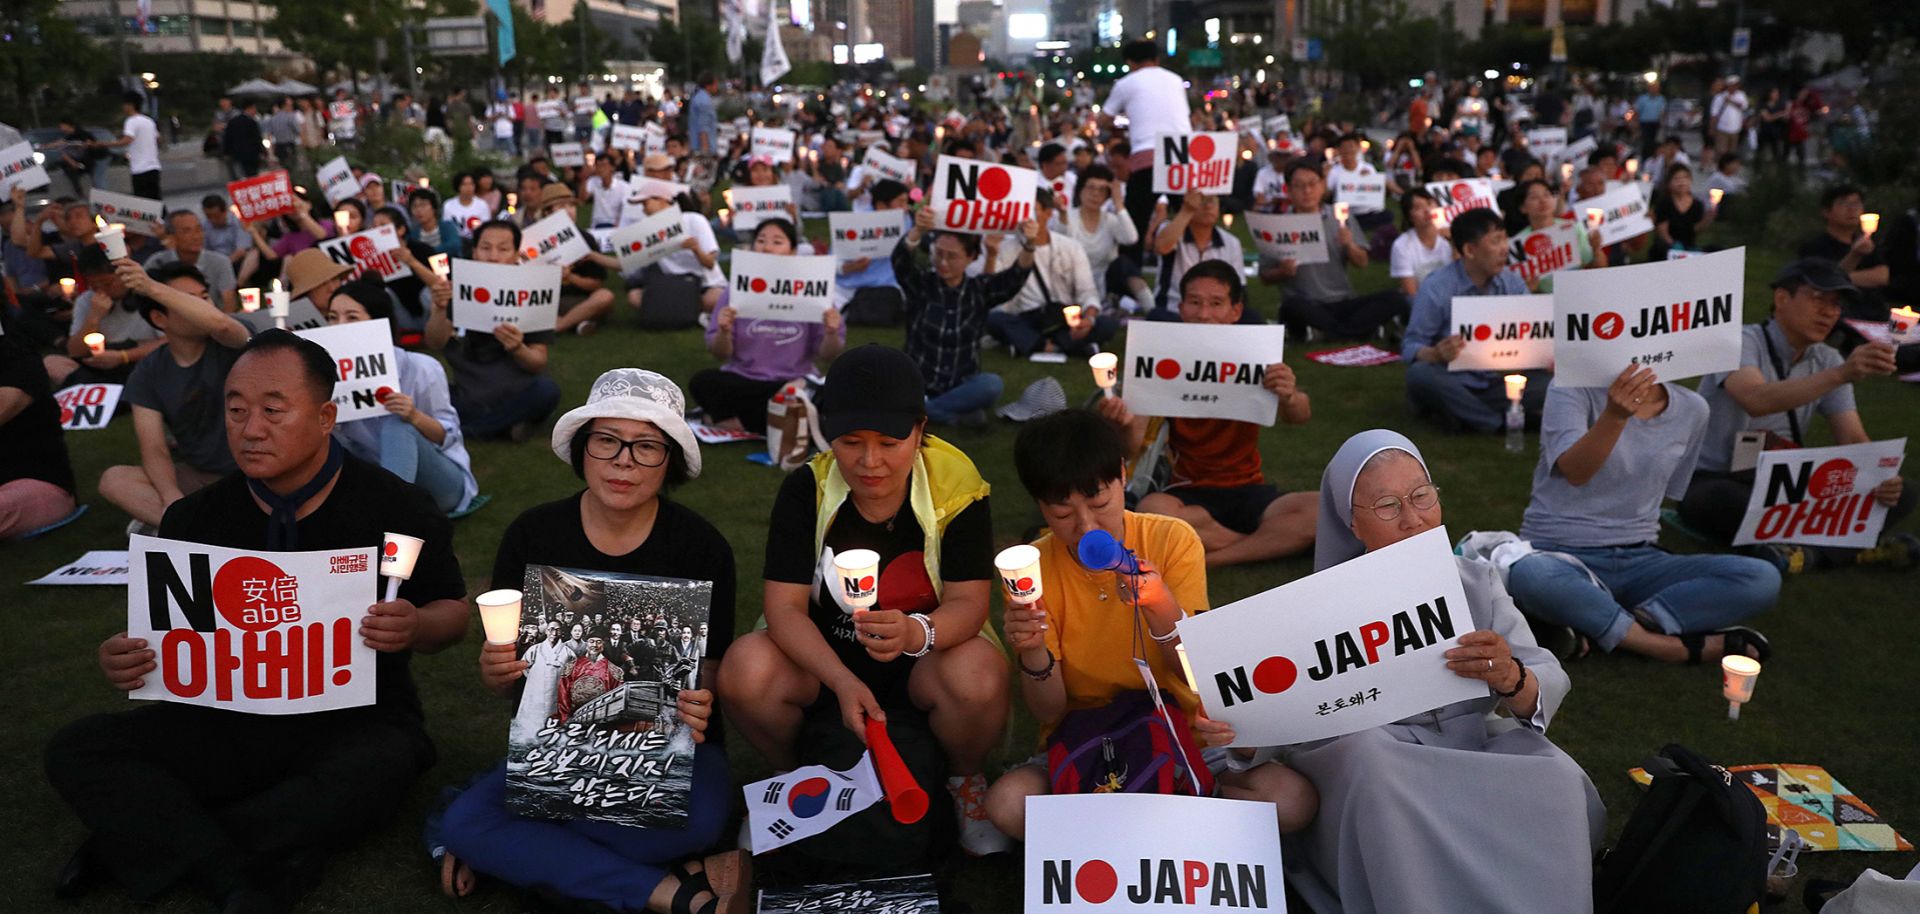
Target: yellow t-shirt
<point>1094,638</point>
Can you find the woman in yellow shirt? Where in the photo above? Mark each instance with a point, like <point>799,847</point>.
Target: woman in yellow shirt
<point>1075,645</point>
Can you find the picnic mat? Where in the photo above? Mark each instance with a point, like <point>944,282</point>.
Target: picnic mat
<point>1810,801</point>
<point>1355,356</point>
<point>713,434</point>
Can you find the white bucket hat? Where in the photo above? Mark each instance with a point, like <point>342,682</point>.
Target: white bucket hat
<point>632,393</point>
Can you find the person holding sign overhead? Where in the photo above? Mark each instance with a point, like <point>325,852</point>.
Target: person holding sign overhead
<point>1463,400</point>
<point>947,312</point>
<point>500,382</point>
<point>761,356</point>
<point>246,807</point>
<point>1320,296</point>
<point>1540,213</point>
<point>1191,237</point>
<point>1457,808</point>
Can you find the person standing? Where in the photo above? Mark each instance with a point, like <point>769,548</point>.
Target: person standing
<point>1728,112</point>
<point>702,121</point>
<point>1154,101</point>
<point>241,142</point>
<point>283,127</point>
<point>141,137</point>
<point>1650,109</point>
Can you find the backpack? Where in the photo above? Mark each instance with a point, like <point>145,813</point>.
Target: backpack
<point>1125,746</point>
<point>670,301</point>
<point>793,426</point>
<point>875,306</point>
<point>1696,844</point>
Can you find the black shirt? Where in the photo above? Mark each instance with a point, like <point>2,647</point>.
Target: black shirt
<point>35,447</point>
<point>366,503</point>
<point>966,554</point>
<point>1870,304</point>
<point>1680,225</point>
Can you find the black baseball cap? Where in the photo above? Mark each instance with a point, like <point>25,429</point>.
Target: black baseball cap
<point>872,388</point>
<point>1818,272</point>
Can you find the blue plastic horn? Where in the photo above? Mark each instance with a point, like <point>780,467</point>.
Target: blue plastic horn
<point>1099,551</point>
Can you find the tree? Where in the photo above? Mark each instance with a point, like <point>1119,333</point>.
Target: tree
<point>340,34</point>
<point>44,54</point>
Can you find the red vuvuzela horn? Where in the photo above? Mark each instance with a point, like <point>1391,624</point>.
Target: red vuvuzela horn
<point>908,800</point>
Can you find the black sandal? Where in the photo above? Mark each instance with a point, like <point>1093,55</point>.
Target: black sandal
<point>1734,641</point>
<point>691,888</point>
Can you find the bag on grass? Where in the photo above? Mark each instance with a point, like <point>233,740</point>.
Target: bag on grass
<point>670,301</point>
<point>875,306</point>
<point>793,426</point>
<point>1696,844</point>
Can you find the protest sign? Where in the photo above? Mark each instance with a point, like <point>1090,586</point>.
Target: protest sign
<point>1098,853</point>
<point>627,136</point>
<point>336,180</point>
<point>1278,125</point>
<point>780,287</point>
<point>1365,355</point>
<point>17,167</point>
<point>102,567</point>
<point>753,205</point>
<point>807,801</point>
<point>138,214</point>
<point>1623,212</point>
<point>371,251</point>
<point>1820,496</point>
<point>597,733</point>
<point>486,295</point>
<point>1681,318</point>
<point>1547,142</point>
<point>644,243</point>
<point>1299,237</point>
<point>656,139</point>
<point>1456,197</point>
<point>87,407</point>
<point>857,235</point>
<point>367,371</point>
<point>262,197</point>
<point>1363,644</point>
<point>253,631</point>
<point>1201,371</point>
<point>1365,193</point>
<point>555,240</point>
<point>890,895</point>
<point>980,198</point>
<point>890,166</point>
<point>584,105</point>
<point>567,155</point>
<point>1576,153</point>
<point>1503,332</point>
<point>550,109</point>
<point>1540,252</point>
<point>343,118</point>
<point>1194,161</point>
<point>775,143</point>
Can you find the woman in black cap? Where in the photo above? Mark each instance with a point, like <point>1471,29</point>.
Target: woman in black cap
<point>888,486</point>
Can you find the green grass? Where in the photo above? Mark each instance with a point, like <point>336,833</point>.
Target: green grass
<point>1839,637</point>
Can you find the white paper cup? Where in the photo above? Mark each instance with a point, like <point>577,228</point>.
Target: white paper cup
<point>279,303</point>
<point>96,342</point>
<point>66,288</point>
<point>1341,211</point>
<point>1516,386</point>
<point>1071,313</point>
<point>1737,674</point>
<point>1020,574</point>
<point>859,574</point>
<point>442,267</point>
<point>398,555</point>
<point>114,239</point>
<point>1106,369</point>
<point>1869,222</point>
<point>499,615</point>
<point>249,299</point>
<point>1595,216</point>
<point>1900,323</point>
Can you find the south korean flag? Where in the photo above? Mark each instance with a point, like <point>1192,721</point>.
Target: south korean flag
<point>807,801</point>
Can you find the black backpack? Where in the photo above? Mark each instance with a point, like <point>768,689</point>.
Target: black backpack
<point>1696,844</point>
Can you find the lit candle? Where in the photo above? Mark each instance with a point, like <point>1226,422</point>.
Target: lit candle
<point>1226,219</point>
<point>1900,323</point>
<point>726,216</point>
<point>1869,222</point>
<point>1366,146</point>
<point>340,220</point>
<point>500,615</point>
<point>1072,314</point>
<point>1340,213</point>
<point>1633,167</point>
<point>278,305</point>
<point>113,238</point>
<point>1106,371</point>
<point>1737,674</point>
<point>66,288</point>
<point>1516,385</point>
<point>423,180</point>
<point>1246,154</point>
<point>1713,196</point>
<point>513,200</point>
<point>1595,216</point>
<point>96,343</point>
<point>442,265</point>
<point>249,299</point>
<point>1566,172</point>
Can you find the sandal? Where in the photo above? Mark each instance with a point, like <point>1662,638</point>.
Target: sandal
<point>730,874</point>
<point>1735,640</point>
<point>456,878</point>
<point>689,890</point>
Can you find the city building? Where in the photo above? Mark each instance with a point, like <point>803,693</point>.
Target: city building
<point>181,26</point>
<point>626,22</point>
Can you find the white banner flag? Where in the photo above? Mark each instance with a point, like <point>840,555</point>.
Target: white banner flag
<point>752,205</point>
<point>336,180</point>
<point>486,295</point>
<point>1623,214</point>
<point>1503,332</point>
<point>980,198</point>
<point>138,214</point>
<point>87,407</point>
<point>1545,251</point>
<point>644,243</point>
<point>366,370</point>
<point>1101,853</point>
<point>370,251</point>
<point>1363,644</point>
<point>251,631</point>
<point>857,235</point>
<point>555,240</point>
<point>1679,317</point>
<point>1821,496</point>
<point>807,801</point>
<point>1202,371</point>
<point>567,155</point>
<point>1195,161</point>
<point>775,143</point>
<point>780,287</point>
<point>1299,237</point>
<point>1456,197</point>
<point>17,167</point>
<point>773,54</point>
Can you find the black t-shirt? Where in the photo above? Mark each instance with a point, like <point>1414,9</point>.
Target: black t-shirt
<point>966,554</point>
<point>407,287</point>
<point>1869,302</point>
<point>1680,225</point>
<point>366,503</point>
<point>35,447</point>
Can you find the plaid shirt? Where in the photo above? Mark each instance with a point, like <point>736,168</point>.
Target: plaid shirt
<point>944,322</point>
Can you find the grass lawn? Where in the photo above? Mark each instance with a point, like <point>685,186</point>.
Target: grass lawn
<point>1813,705</point>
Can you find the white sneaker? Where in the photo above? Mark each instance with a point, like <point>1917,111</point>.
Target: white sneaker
<point>978,836</point>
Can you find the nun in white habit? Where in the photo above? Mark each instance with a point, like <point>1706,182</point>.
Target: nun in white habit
<point>1467,808</point>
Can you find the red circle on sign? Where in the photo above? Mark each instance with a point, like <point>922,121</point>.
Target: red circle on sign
<point>1275,675</point>
<point>1609,325</point>
<point>1482,332</point>
<point>1096,881</point>
<point>866,583</point>
<point>1266,236</point>
<point>473,222</point>
<point>1832,479</point>
<point>995,183</point>
<point>66,415</point>
<point>851,234</point>
<point>1167,369</point>
<point>532,253</point>
<point>1462,192</point>
<point>759,285</point>
<point>381,395</point>
<point>635,246</point>
<point>1201,147</point>
<point>1537,245</point>
<point>361,248</point>
<point>248,583</point>
<point>481,295</point>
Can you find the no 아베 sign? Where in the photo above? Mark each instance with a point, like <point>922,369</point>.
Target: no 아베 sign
<point>1821,496</point>
<point>87,407</point>
<point>1503,332</point>
<point>781,287</point>
<point>1680,318</point>
<point>980,198</point>
<point>486,295</point>
<point>1198,161</point>
<point>259,632</point>
<point>1139,852</point>
<point>1202,371</point>
<point>1456,197</point>
<point>1363,645</point>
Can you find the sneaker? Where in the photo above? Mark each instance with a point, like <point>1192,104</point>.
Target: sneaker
<point>585,328</point>
<point>1788,559</point>
<point>978,837</point>
<point>1900,551</point>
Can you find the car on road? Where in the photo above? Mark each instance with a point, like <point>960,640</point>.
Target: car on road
<point>43,137</point>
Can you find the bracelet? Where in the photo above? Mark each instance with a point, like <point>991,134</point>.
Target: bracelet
<point>1171,634</point>
<point>1517,686</point>
<point>126,357</point>
<point>926,625</point>
<point>1043,674</point>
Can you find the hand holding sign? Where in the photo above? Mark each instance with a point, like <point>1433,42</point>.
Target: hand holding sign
<point>1629,392</point>
<point>126,660</point>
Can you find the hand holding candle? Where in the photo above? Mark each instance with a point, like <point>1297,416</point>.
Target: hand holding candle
<point>1737,676</point>
<point>859,573</point>
<point>113,239</point>
<point>1072,315</point>
<point>1019,568</point>
<point>1869,222</point>
<point>499,615</point>
<point>397,557</point>
<point>1106,371</point>
<point>96,343</point>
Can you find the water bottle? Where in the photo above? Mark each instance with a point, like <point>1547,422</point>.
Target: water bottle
<point>1516,427</point>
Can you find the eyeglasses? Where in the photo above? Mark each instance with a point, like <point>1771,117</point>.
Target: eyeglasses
<point>646,451</point>
<point>1424,498</point>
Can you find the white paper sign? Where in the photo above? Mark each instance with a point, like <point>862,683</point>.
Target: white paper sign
<point>644,243</point>
<point>1195,161</point>
<point>781,287</point>
<point>1365,193</point>
<point>1343,650</point>
<point>87,407</point>
<point>486,295</point>
<point>97,567</point>
<point>550,108</point>
<point>1545,251</point>
<point>1623,211</point>
<point>1278,125</point>
<point>138,214</point>
<point>1456,197</point>
<point>857,235</point>
<point>1101,853</point>
<point>1547,142</point>
<point>1503,332</point>
<point>1300,237</point>
<point>1201,371</point>
<point>336,180</point>
<point>366,371</point>
<point>370,251</point>
<point>251,631</point>
<point>567,155</point>
<point>656,139</point>
<point>890,166</point>
<point>1821,496</point>
<point>17,167</point>
<point>753,205</point>
<point>555,240</point>
<point>1680,317</point>
<point>583,105</point>
<point>773,142</point>
<point>627,136</point>
<point>980,198</point>
<point>1576,153</point>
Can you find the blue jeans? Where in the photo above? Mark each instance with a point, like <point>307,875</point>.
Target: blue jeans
<point>1684,594</point>
<point>1026,330</point>
<point>1435,390</point>
<point>406,453</point>
<point>977,392</point>
<point>615,865</point>
<point>534,403</point>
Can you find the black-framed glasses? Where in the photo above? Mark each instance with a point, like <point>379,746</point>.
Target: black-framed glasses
<point>647,452</point>
<point>1423,498</point>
